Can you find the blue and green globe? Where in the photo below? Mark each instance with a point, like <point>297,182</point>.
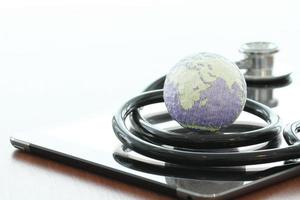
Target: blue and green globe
<point>205,91</point>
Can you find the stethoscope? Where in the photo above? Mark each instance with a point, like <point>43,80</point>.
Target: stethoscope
<point>194,149</point>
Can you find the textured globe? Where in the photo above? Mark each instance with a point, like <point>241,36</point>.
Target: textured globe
<point>205,91</point>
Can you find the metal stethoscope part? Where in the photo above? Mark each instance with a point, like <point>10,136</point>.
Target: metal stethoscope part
<point>259,62</point>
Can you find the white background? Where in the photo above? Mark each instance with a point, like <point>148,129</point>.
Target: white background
<point>62,60</point>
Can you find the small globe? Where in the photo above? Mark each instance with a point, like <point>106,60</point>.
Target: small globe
<point>205,91</point>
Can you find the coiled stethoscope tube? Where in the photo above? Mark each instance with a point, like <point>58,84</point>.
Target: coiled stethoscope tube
<point>177,148</point>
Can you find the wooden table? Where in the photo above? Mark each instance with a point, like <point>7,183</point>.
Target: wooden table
<point>56,58</point>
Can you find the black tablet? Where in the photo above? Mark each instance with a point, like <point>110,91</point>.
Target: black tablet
<point>90,144</point>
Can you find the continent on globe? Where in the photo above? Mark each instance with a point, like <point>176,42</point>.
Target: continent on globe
<point>205,91</point>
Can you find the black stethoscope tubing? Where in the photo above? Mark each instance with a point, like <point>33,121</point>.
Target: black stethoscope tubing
<point>229,139</point>
<point>139,139</point>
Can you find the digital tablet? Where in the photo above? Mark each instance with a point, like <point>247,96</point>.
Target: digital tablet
<point>90,144</point>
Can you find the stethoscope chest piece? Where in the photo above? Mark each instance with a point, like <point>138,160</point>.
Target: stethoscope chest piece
<point>258,63</point>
